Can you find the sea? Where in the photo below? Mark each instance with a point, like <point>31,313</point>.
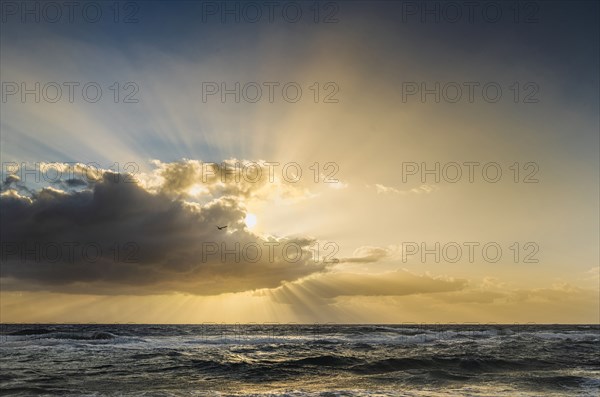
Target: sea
<point>299,360</point>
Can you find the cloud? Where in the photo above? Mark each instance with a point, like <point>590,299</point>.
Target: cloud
<point>386,189</point>
<point>10,179</point>
<point>470,296</point>
<point>398,283</point>
<point>27,178</point>
<point>240,178</point>
<point>13,183</point>
<point>403,296</point>
<point>382,189</point>
<point>118,237</point>
<point>593,274</point>
<point>324,296</point>
<point>491,291</point>
<point>559,292</point>
<point>368,254</point>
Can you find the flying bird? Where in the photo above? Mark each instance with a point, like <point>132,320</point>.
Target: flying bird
<point>221,227</point>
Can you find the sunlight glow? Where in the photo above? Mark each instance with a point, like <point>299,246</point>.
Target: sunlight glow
<point>250,220</point>
<point>196,190</point>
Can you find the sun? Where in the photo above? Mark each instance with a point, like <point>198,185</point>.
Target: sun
<point>250,220</point>
<point>196,190</point>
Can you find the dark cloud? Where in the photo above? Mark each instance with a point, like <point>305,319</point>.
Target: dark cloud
<point>13,182</point>
<point>10,179</point>
<point>119,238</point>
<point>75,182</point>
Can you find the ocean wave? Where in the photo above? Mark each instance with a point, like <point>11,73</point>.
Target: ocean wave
<point>49,334</point>
<point>463,365</point>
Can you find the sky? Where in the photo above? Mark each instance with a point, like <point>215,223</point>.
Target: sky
<point>372,161</point>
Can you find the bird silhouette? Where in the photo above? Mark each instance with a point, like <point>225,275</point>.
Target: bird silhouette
<point>221,227</point>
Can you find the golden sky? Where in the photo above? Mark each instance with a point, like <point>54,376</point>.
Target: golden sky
<point>348,179</point>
